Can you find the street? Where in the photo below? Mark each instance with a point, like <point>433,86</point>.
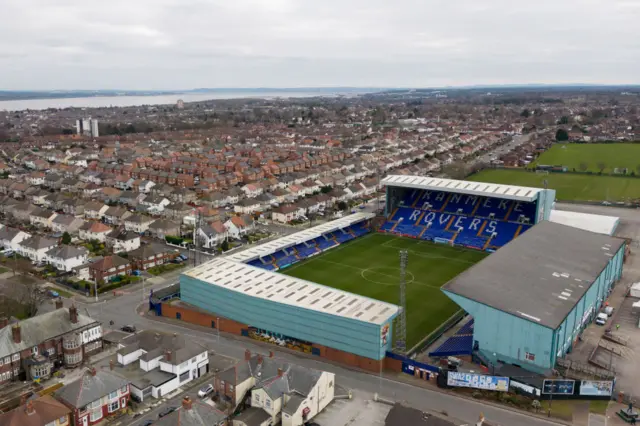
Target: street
<point>122,310</point>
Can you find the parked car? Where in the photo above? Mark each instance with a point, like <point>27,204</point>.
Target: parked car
<point>129,328</point>
<point>166,411</point>
<point>54,294</point>
<point>146,423</point>
<point>602,318</point>
<point>203,392</point>
<point>608,310</point>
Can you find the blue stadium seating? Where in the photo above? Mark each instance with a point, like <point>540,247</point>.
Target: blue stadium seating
<point>467,328</point>
<point>455,345</point>
<point>478,222</point>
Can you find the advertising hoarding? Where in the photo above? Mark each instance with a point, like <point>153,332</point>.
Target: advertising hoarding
<point>477,381</point>
<point>558,387</point>
<point>596,387</point>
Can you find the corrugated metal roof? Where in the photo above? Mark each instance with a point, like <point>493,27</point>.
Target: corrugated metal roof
<point>299,237</point>
<point>257,282</point>
<point>511,192</point>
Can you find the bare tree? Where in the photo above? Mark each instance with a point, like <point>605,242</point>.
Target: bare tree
<point>601,166</point>
<point>583,166</point>
<point>456,170</point>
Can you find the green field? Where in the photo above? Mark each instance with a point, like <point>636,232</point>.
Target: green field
<point>569,186</point>
<point>369,266</point>
<point>594,156</point>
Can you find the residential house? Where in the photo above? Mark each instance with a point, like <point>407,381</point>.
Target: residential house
<point>138,223</point>
<point>94,231</point>
<point>193,413</point>
<point>177,211</point>
<point>36,247</point>
<point>211,235</point>
<point>247,206</point>
<point>30,348</point>
<point>21,211</point>
<point>74,207</point>
<point>161,228</point>
<point>167,361</point>
<point>109,267</point>
<point>116,215</point>
<point>122,240</point>
<point>286,213</point>
<point>10,238</point>
<point>292,395</point>
<point>252,190</point>
<point>42,217</point>
<point>239,226</point>
<point>95,210</point>
<point>183,195</point>
<point>38,411</point>
<point>95,396</point>
<point>150,255</point>
<point>66,223</point>
<point>65,258</point>
<point>155,204</point>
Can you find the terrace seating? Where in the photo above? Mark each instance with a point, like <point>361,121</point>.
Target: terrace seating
<point>454,345</point>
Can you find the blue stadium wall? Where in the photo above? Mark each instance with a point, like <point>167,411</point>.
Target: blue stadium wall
<point>546,198</point>
<point>345,334</point>
<point>507,338</point>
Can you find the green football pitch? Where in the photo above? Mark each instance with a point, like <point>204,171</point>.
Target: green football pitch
<point>370,266</point>
<point>593,157</point>
<point>568,186</point>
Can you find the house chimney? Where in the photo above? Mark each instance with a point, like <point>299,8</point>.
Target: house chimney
<point>111,364</point>
<point>270,354</point>
<point>259,359</point>
<point>29,408</point>
<point>167,356</point>
<point>59,303</point>
<point>93,371</point>
<point>280,372</point>
<point>187,403</point>
<point>4,321</point>
<point>247,355</point>
<point>17,335</point>
<point>73,314</point>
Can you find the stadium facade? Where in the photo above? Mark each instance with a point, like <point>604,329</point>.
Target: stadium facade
<point>532,299</point>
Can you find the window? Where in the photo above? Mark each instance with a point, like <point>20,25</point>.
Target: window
<point>123,389</point>
<point>529,356</point>
<point>96,415</point>
<point>62,420</point>
<point>94,404</point>
<point>16,372</point>
<point>34,350</point>
<point>331,384</point>
<point>256,396</point>
<point>15,357</point>
<point>230,388</point>
<point>114,406</point>
<point>0,362</point>
<point>267,403</point>
<point>113,395</point>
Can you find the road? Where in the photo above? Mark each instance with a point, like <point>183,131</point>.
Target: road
<point>122,310</point>
<point>515,142</point>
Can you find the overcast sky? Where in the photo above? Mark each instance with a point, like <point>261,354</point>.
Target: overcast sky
<point>181,44</point>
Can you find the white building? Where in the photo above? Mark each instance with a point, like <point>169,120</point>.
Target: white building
<point>166,362</point>
<point>65,258</point>
<point>10,238</point>
<point>36,247</point>
<point>87,127</point>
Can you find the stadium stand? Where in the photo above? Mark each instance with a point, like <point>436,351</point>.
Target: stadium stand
<point>483,223</point>
<point>295,253</point>
<point>461,343</point>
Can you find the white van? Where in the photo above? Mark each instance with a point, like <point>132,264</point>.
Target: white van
<point>608,310</point>
<point>601,319</point>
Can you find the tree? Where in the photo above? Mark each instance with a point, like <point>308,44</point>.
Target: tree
<point>525,113</point>
<point>343,206</point>
<point>225,245</point>
<point>456,170</point>
<point>66,238</point>
<point>29,294</point>
<point>583,166</point>
<point>601,166</point>
<point>563,120</point>
<point>326,189</point>
<point>562,135</point>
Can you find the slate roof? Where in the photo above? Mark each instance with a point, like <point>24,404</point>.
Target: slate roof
<point>38,242</point>
<point>90,388</point>
<point>41,328</point>
<point>200,414</point>
<point>67,252</point>
<point>46,410</point>
<point>156,343</point>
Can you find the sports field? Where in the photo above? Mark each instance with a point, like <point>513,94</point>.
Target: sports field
<point>569,186</point>
<point>369,266</point>
<point>594,156</point>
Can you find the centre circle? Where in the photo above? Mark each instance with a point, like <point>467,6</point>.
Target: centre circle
<point>385,275</point>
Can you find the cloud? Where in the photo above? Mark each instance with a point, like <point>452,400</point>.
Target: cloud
<point>171,44</point>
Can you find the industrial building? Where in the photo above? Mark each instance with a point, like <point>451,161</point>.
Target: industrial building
<point>532,298</point>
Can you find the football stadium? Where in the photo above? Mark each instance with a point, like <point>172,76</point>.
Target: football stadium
<point>528,285</point>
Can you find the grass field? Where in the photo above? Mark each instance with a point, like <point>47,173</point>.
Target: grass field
<point>615,155</point>
<point>369,266</point>
<point>569,186</point>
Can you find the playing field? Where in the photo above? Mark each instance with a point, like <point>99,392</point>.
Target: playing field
<point>594,156</point>
<point>569,186</point>
<point>369,266</point>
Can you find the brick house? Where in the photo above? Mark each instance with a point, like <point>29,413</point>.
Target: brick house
<point>29,348</point>
<point>41,411</point>
<point>150,255</point>
<point>95,396</point>
<point>108,267</point>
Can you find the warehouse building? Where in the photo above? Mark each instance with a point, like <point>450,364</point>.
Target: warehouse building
<point>335,324</point>
<point>532,298</point>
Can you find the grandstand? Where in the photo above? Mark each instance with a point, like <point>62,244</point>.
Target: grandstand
<point>481,216</point>
<point>293,248</point>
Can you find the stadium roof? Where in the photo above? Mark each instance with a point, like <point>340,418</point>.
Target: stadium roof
<point>297,238</point>
<point>540,275</point>
<point>589,222</point>
<point>257,282</point>
<point>510,192</point>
